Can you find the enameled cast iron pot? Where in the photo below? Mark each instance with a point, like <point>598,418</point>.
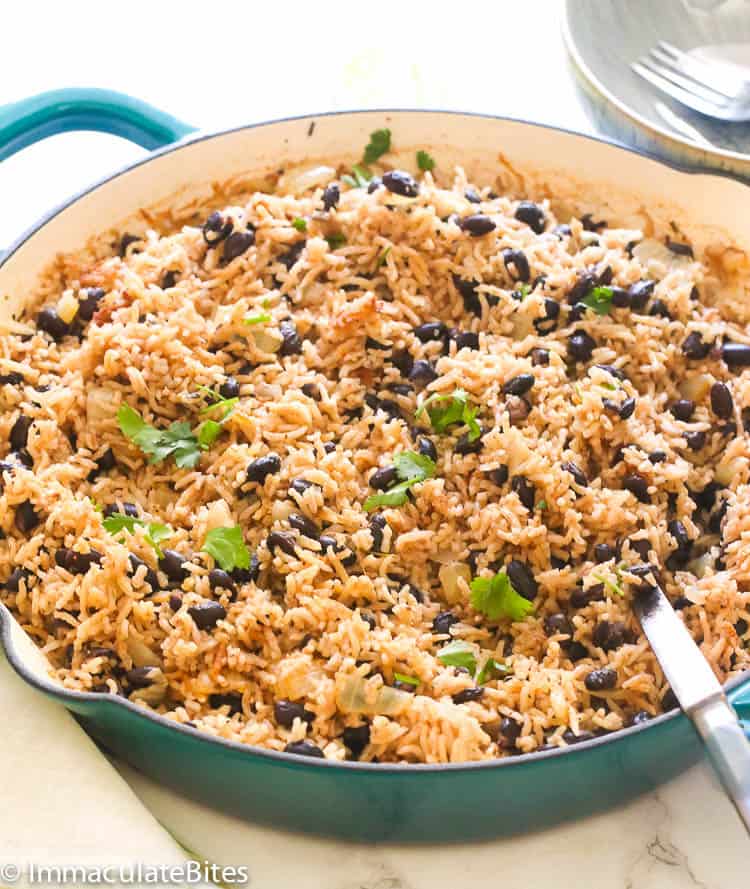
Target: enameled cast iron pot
<point>356,800</point>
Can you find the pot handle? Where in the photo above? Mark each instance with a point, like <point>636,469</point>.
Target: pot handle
<point>740,700</point>
<point>58,111</point>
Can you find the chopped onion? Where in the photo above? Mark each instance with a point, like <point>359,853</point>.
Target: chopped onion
<point>651,250</point>
<point>695,388</point>
<point>141,653</point>
<point>449,579</point>
<point>359,695</point>
<point>266,342</point>
<point>154,693</point>
<point>297,181</point>
<point>101,404</point>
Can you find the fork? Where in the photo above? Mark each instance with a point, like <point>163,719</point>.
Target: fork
<point>710,88</point>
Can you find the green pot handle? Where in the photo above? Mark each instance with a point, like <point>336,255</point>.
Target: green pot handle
<point>59,111</point>
<point>740,700</point>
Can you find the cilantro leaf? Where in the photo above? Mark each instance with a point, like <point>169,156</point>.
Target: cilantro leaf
<point>382,259</point>
<point>446,410</point>
<point>227,405</point>
<point>300,224</point>
<point>336,240</point>
<point>599,300</point>
<point>411,468</point>
<point>227,546</point>
<point>208,432</point>
<point>155,531</point>
<point>496,597</point>
<point>489,667</point>
<point>260,318</point>
<point>458,654</point>
<point>425,161</point>
<point>409,680</point>
<point>379,144</point>
<point>177,441</point>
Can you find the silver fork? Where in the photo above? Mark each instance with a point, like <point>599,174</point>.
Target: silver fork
<point>710,88</point>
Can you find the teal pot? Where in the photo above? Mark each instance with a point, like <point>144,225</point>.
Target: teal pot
<point>407,803</point>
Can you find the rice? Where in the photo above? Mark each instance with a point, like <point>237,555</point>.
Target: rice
<point>328,643</point>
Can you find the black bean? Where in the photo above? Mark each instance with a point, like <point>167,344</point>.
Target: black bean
<point>522,579</point>
<point>404,686</point>
<point>620,297</point>
<point>260,469</point>
<point>219,579</point>
<point>173,565</point>
<point>329,447</point>
<point>107,461</point>
<point>11,379</point>
<point>432,330</point>
<point>374,345</point>
<point>679,249</point>
<point>285,712</point>
<point>230,388</point>
<point>627,409</point>
<point>581,346</point>
<point>468,694</point>
<point>141,677</point>
<point>283,540</point>
<point>331,196</point>
<point>19,433</point>
<point>741,627</point>
<point>695,440</point>
<point>237,243</point>
<point>377,525</point>
<point>578,475</point>
<point>509,733</point>
<point>585,282</point>
<point>469,295</point>
<point>539,357</point>
<point>51,323</point>
<point>290,256</point>
<point>26,518</point>
<point>669,701</point>
<point>464,339</point>
<point>590,225</point>
<point>640,293</point>
<point>519,385</point>
<point>128,509</point>
<point>640,546</point>
<point>465,445</point>
<point>175,601</point>
<point>150,576</point>
<point>610,635</point>
<point>638,487</point>
<point>233,700</point>
<point>426,447</point>
<point>216,228</point>
<point>383,478</point>
<point>246,575</point>
<point>356,738</point>
<point>576,651</point>
<point>603,552</point>
<point>660,308</point>
<point>374,185</point>
<point>125,241</point>
<point>533,215</point>
<point>558,623</point>
<point>17,575</point>
<point>682,409</point>
<point>499,476</point>
<point>422,372</point>
<point>477,225</point>
<point>443,621</point>
<point>88,302</point>
<point>304,748</point>
<point>640,717</point>
<point>562,230</point>
<point>403,389</point>
<point>580,597</point>
<point>722,403</point>
<point>304,525</point>
<point>657,456</point>
<point>680,602</point>
<point>207,614</point>
<point>525,491</point>
<point>291,341</point>
<point>518,409</point>
<point>557,563</point>
<point>694,348</point>
<point>403,361</point>
<point>517,261</point>
<point>706,497</point>
<point>603,679</point>
<point>369,619</point>
<point>75,562</point>
<point>399,182</point>
<point>169,279</point>
<point>679,532</point>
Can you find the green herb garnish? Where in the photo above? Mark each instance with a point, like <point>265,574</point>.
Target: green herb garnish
<point>336,240</point>
<point>445,410</point>
<point>523,291</point>
<point>379,144</point>
<point>260,318</point>
<point>612,585</point>
<point>542,505</point>
<point>177,441</point>
<point>411,468</point>
<point>409,680</point>
<point>155,532</point>
<point>227,405</point>
<point>300,224</point>
<point>490,666</point>
<point>360,177</point>
<point>496,597</point>
<point>599,300</point>
<point>382,259</point>
<point>227,546</point>
<point>425,161</point>
<point>458,654</point>
<point>208,432</point>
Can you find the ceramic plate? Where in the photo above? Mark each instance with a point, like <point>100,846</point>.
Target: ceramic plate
<point>605,36</point>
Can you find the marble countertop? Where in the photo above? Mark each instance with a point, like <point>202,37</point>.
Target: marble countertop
<point>210,69</point>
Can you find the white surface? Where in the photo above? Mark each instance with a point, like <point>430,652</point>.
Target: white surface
<point>219,65</point>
